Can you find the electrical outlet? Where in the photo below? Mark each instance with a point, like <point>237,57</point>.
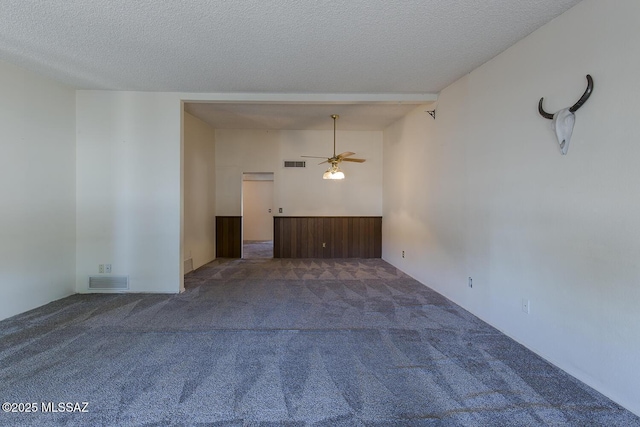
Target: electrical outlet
<point>101,268</point>
<point>107,268</point>
<point>324,245</point>
<point>402,254</point>
<point>470,282</point>
<point>526,305</point>
<point>279,210</point>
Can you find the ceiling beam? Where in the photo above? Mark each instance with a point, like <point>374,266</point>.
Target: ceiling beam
<point>311,98</point>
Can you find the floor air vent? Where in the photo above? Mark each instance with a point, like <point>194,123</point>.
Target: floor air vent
<point>295,164</point>
<point>114,283</point>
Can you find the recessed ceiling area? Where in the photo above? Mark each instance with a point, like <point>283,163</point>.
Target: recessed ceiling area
<point>299,116</point>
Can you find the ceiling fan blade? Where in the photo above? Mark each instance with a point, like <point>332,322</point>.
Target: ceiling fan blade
<point>315,157</point>
<point>354,160</point>
<point>326,161</point>
<point>345,154</point>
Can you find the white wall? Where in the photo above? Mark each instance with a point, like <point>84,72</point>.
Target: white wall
<point>484,192</point>
<point>128,188</point>
<point>199,191</point>
<point>37,189</point>
<point>298,191</point>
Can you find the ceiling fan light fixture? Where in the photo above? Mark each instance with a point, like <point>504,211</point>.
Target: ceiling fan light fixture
<point>333,175</point>
<point>333,172</point>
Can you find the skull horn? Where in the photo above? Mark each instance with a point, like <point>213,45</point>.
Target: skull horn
<point>576,106</point>
<point>585,95</point>
<point>542,112</point>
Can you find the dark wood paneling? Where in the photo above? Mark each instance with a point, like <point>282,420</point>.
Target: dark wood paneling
<point>344,237</point>
<point>228,236</point>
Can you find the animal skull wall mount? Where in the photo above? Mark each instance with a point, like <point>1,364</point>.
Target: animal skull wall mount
<point>563,120</point>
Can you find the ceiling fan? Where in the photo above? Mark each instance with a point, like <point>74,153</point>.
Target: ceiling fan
<point>334,171</point>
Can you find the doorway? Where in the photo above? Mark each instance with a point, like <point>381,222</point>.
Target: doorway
<point>257,215</point>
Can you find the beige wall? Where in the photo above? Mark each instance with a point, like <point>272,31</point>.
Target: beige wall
<point>37,189</point>
<point>199,191</point>
<point>300,191</point>
<point>483,191</point>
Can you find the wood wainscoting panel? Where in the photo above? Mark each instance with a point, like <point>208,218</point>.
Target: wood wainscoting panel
<point>228,236</point>
<point>327,237</point>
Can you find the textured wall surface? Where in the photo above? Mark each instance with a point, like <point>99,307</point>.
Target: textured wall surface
<point>128,188</point>
<point>199,191</point>
<point>37,190</point>
<point>300,191</point>
<point>483,192</point>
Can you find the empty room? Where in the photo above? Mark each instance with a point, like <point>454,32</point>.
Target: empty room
<point>243,213</point>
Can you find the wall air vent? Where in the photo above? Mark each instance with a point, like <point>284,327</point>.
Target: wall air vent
<point>109,283</point>
<point>295,164</point>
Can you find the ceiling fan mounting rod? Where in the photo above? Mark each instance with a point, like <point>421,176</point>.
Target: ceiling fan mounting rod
<point>334,117</point>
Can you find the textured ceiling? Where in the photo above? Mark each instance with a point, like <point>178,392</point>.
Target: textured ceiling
<point>371,47</point>
<point>277,46</point>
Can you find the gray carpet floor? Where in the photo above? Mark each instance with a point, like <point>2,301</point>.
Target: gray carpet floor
<point>257,249</point>
<point>284,343</point>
